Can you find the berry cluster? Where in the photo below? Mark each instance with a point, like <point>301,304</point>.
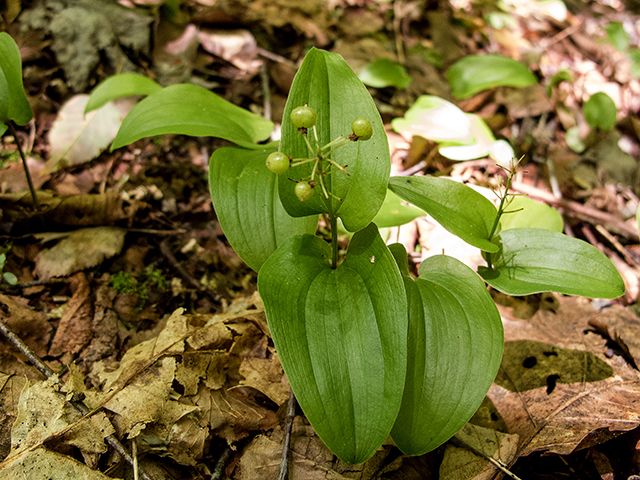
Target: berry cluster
<point>304,118</point>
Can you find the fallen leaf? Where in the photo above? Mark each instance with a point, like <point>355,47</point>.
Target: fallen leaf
<point>467,456</point>
<point>76,138</point>
<point>42,463</point>
<point>81,249</point>
<point>74,331</point>
<point>30,325</point>
<point>601,396</point>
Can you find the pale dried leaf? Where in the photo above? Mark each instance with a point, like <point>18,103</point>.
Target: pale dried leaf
<point>84,248</point>
<point>76,138</point>
<point>462,459</point>
<point>45,464</point>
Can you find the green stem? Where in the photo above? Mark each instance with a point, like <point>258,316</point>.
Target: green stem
<point>334,241</point>
<point>24,162</point>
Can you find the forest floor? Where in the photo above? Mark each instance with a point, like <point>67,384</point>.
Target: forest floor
<point>130,293</point>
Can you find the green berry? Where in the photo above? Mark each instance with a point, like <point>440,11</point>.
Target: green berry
<point>304,191</point>
<point>362,128</point>
<point>303,117</point>
<point>277,162</point>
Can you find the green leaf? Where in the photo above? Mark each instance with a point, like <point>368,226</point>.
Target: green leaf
<point>454,352</point>
<point>13,101</point>
<point>395,212</point>
<point>383,73</point>
<point>457,207</point>
<point>617,36</point>
<point>600,111</point>
<point>341,335</point>
<point>10,278</point>
<point>524,212</point>
<point>476,73</point>
<point>534,260</point>
<point>192,110</point>
<point>246,201</point>
<point>634,56</point>
<point>327,84</point>
<point>119,86</point>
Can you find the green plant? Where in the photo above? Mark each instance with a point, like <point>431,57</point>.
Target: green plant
<point>14,106</point>
<point>123,282</point>
<point>369,350</point>
<point>7,277</point>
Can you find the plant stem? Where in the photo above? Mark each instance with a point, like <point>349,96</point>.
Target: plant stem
<point>334,241</point>
<point>24,162</point>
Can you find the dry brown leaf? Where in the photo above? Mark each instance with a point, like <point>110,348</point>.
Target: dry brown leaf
<point>42,463</point>
<point>30,325</point>
<point>74,331</point>
<point>562,417</point>
<point>462,459</point>
<point>55,210</point>
<point>267,376</point>
<point>81,249</point>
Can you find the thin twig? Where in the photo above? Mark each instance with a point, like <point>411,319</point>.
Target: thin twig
<point>583,212</point>
<point>220,464</point>
<point>288,425</point>
<point>166,251</point>
<point>266,91</point>
<point>48,372</point>
<point>26,167</point>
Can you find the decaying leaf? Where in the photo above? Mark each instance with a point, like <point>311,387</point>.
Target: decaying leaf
<point>586,397</point>
<point>73,210</point>
<point>30,325</point>
<point>43,463</point>
<point>74,331</point>
<point>467,456</point>
<point>81,249</point>
<point>77,138</point>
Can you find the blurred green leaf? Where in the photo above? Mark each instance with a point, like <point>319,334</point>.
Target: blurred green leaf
<point>383,73</point>
<point>476,73</point>
<point>524,212</point>
<point>395,212</point>
<point>600,111</point>
<point>13,101</point>
<point>617,36</point>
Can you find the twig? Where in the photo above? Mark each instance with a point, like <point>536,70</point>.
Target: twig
<point>222,461</point>
<point>288,425</point>
<point>266,91</point>
<point>26,167</point>
<point>498,464</point>
<point>582,212</point>
<point>48,372</point>
<point>618,246</point>
<point>274,57</point>
<point>166,251</point>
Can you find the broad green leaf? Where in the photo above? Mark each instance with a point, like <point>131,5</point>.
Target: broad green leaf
<point>436,119</point>
<point>13,101</point>
<point>600,111</point>
<point>634,56</point>
<point>395,212</point>
<point>524,212</point>
<point>476,73</point>
<point>327,84</point>
<point>341,335</point>
<point>119,86</point>
<point>246,201</point>
<point>457,207</point>
<point>533,260</point>
<point>192,110</point>
<point>383,73</point>
<point>454,351</point>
